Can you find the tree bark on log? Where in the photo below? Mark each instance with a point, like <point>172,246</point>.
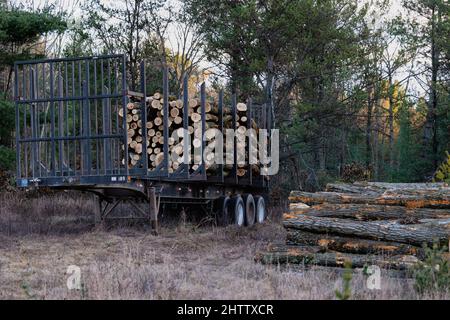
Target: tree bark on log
<point>414,235</point>
<point>402,186</point>
<point>379,187</point>
<point>350,245</point>
<point>298,255</point>
<point>436,200</point>
<point>368,212</point>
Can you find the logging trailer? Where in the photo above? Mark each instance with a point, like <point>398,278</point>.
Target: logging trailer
<point>70,136</point>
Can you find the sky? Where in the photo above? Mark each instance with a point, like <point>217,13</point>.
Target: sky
<point>396,8</point>
<point>71,5</point>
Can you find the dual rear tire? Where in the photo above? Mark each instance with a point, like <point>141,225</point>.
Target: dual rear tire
<point>261,212</point>
<point>241,211</point>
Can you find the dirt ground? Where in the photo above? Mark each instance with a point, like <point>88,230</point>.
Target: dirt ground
<point>41,237</point>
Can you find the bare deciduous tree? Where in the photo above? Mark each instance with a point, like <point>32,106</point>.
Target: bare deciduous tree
<point>120,27</point>
<point>187,52</point>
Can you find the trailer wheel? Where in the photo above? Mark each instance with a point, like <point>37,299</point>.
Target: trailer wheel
<point>222,210</point>
<point>261,213</point>
<point>238,211</point>
<point>250,210</point>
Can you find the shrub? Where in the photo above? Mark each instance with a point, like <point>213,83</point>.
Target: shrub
<point>347,277</point>
<point>7,122</point>
<point>433,274</point>
<point>7,159</point>
<point>443,173</point>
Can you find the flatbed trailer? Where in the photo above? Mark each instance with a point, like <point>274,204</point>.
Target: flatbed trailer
<point>69,136</point>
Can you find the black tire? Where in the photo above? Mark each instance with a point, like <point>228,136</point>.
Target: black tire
<point>222,210</point>
<point>261,211</point>
<point>237,210</point>
<point>250,210</point>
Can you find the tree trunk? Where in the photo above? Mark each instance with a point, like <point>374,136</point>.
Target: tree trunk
<point>438,200</point>
<point>381,231</point>
<point>381,187</point>
<point>430,134</point>
<point>369,128</point>
<point>391,124</point>
<point>370,212</point>
<point>350,245</point>
<point>270,97</point>
<point>298,255</point>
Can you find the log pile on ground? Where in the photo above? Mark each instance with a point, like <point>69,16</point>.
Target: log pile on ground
<point>365,224</point>
<point>154,129</point>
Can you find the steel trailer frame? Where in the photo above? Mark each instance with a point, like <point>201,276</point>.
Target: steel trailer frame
<point>60,142</point>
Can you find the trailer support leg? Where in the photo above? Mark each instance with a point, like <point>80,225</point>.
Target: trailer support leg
<point>153,210</point>
<point>98,216</point>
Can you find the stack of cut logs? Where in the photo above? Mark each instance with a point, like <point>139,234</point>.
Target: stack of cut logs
<point>242,126</point>
<point>154,125</point>
<point>364,224</point>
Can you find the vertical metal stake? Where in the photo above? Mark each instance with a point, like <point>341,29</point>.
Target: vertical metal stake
<point>153,210</point>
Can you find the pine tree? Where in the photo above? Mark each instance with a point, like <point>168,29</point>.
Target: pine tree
<point>19,29</point>
<point>409,148</point>
<point>443,173</point>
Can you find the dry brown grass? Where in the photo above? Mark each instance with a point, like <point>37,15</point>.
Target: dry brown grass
<point>53,213</point>
<point>41,237</point>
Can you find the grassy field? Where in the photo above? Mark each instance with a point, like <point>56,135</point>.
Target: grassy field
<point>40,237</point>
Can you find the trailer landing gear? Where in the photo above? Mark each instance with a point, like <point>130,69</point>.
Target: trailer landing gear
<point>153,209</point>
<point>107,204</point>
